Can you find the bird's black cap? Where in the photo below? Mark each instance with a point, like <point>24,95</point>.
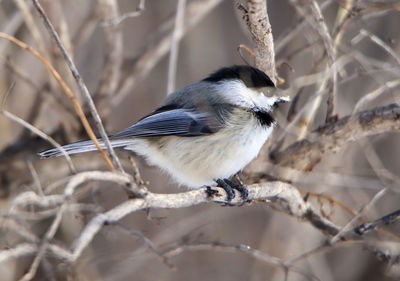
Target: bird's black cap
<point>251,76</point>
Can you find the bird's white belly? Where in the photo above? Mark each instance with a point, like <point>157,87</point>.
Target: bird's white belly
<point>198,161</point>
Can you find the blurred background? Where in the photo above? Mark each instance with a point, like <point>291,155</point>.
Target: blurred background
<point>125,67</point>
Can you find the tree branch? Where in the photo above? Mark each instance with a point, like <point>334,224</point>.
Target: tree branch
<point>305,154</point>
<point>281,196</point>
<point>82,87</point>
<point>257,20</point>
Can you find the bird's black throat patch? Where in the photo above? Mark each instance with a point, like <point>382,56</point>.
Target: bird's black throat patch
<point>264,117</point>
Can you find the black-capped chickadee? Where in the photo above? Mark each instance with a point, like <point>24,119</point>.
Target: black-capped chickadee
<point>203,133</point>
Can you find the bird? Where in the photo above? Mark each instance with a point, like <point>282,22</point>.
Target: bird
<point>203,133</point>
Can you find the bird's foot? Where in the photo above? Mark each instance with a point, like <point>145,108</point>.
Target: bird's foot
<point>229,187</point>
<point>210,192</point>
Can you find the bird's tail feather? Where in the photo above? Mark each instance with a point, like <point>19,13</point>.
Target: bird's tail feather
<point>82,146</point>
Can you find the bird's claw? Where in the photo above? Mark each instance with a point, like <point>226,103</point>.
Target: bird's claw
<point>229,187</point>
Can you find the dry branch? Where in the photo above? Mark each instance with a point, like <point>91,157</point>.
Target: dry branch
<point>177,34</point>
<point>84,91</point>
<point>283,196</point>
<point>256,17</point>
<point>305,154</point>
<point>40,134</point>
<point>112,62</point>
<point>279,195</point>
<point>195,11</point>
<point>240,248</point>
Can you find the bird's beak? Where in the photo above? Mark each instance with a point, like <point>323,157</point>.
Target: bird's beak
<point>283,99</point>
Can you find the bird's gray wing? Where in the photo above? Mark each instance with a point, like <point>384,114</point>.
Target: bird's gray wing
<point>182,122</point>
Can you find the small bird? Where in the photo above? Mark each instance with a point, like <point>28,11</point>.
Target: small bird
<point>204,132</point>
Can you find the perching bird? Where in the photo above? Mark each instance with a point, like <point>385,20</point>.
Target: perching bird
<point>204,132</point>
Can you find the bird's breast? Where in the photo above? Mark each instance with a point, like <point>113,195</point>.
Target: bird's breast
<point>198,161</point>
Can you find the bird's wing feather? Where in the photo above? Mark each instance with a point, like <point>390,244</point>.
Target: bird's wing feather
<point>181,122</point>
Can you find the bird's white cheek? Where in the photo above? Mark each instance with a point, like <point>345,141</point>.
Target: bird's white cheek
<point>238,94</point>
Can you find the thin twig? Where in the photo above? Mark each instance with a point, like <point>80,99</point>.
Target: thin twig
<point>350,224</point>
<point>294,30</point>
<point>248,50</point>
<point>83,89</point>
<point>86,29</point>
<point>43,247</point>
<point>32,27</point>
<point>176,35</point>
<point>378,41</point>
<point>13,25</point>
<point>118,19</point>
<point>41,90</point>
<point>113,55</point>
<point>385,220</point>
<point>317,21</point>
<point>41,134</point>
<point>145,240</point>
<point>66,89</point>
<point>367,98</point>
<point>240,248</point>
<point>46,214</point>
<point>25,249</point>
<point>35,177</point>
<point>195,11</point>
<point>389,179</point>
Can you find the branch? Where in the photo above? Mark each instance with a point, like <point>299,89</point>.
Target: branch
<point>195,11</point>
<point>82,87</point>
<point>281,196</point>
<point>177,34</point>
<point>238,248</point>
<point>41,134</point>
<point>119,19</point>
<point>112,63</point>
<point>385,220</point>
<point>305,154</point>
<point>257,20</point>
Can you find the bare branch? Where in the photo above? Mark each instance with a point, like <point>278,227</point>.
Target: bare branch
<point>317,21</point>
<point>367,98</point>
<point>82,88</point>
<point>118,19</point>
<point>66,89</point>
<point>349,225</point>
<point>176,35</point>
<point>43,247</point>
<point>31,25</point>
<point>40,134</point>
<point>240,248</point>
<point>305,154</point>
<point>284,196</point>
<point>195,11</point>
<point>378,41</point>
<point>385,220</point>
<point>260,28</point>
<point>112,63</point>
